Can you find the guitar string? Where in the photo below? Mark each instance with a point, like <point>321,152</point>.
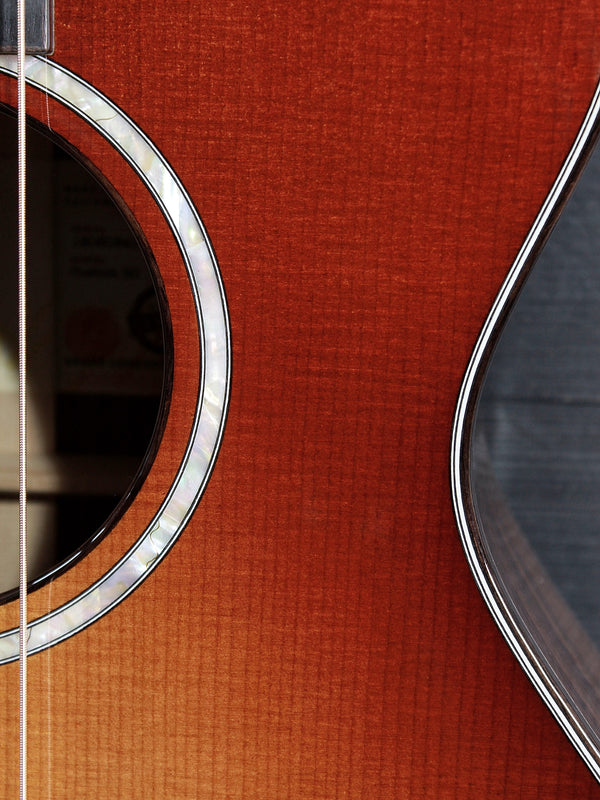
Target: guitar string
<point>22,402</point>
<point>47,94</point>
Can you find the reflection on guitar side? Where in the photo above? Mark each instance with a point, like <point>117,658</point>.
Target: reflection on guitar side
<point>532,451</point>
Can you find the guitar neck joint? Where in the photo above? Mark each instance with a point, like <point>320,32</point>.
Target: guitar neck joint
<point>39,27</point>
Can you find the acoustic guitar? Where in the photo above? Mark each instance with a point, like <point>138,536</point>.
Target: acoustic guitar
<point>282,608</point>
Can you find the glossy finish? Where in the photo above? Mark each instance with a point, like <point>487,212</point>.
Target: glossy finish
<point>367,173</point>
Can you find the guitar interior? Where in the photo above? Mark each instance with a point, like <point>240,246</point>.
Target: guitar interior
<point>96,356</point>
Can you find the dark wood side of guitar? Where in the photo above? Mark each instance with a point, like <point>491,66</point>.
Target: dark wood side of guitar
<point>367,171</point>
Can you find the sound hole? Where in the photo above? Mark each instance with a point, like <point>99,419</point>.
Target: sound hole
<point>96,357</point>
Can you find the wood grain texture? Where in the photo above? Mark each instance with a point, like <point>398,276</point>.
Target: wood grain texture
<point>367,172</point>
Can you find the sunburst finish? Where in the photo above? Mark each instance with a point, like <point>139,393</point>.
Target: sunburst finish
<point>366,172</point>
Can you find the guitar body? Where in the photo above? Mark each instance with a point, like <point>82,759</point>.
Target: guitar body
<point>366,173</point>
